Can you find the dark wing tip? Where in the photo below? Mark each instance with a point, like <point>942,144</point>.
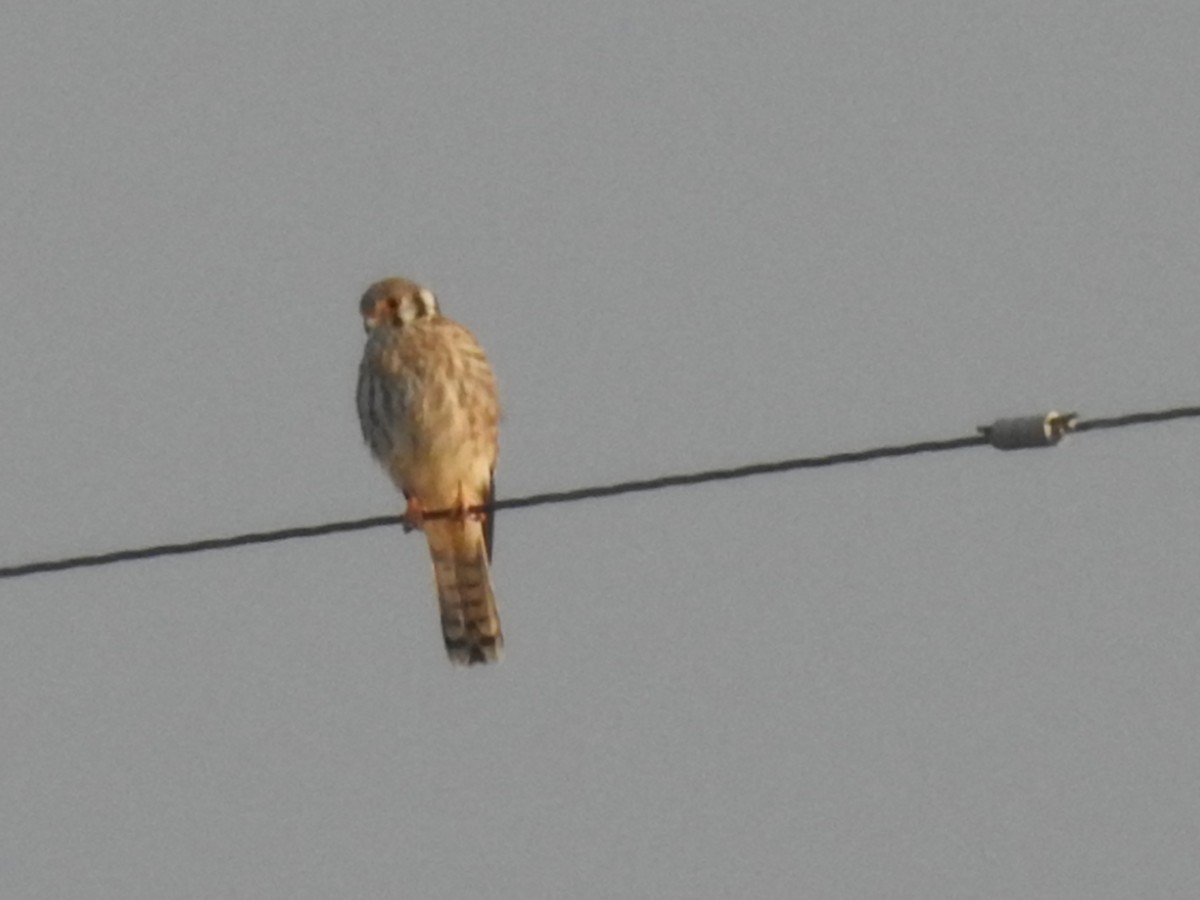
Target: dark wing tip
<point>489,520</point>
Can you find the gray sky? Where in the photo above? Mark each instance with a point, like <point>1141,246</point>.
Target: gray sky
<point>689,234</point>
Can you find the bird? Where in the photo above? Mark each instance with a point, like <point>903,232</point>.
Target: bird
<point>430,412</point>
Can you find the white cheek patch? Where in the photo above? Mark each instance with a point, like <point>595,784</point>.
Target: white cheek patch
<point>408,310</point>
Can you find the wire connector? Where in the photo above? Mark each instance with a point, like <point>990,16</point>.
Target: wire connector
<point>1029,431</point>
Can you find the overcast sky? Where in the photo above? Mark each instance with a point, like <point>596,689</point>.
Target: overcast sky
<point>689,235</point>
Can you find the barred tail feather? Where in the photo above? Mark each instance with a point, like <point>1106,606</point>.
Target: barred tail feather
<point>470,624</point>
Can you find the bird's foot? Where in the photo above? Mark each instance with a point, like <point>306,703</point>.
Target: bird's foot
<point>462,511</point>
<point>414,515</point>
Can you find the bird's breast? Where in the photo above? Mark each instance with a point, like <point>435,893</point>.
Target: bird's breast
<point>435,400</point>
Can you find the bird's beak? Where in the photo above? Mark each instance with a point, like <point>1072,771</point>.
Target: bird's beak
<point>378,313</point>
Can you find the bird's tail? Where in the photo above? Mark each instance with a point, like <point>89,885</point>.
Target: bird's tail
<point>470,624</point>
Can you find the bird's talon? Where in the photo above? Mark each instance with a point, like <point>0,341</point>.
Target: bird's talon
<point>414,515</point>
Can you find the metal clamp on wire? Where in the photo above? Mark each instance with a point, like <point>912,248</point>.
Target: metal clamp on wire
<point>1029,431</point>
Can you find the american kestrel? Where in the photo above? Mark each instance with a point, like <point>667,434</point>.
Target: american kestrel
<point>429,413</point>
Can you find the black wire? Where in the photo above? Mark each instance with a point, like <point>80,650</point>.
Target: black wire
<point>666,481</point>
<point>1182,412</point>
<point>586,493</point>
<point>237,540</point>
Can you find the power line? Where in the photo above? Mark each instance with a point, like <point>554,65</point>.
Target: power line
<point>1006,434</point>
<point>1142,418</point>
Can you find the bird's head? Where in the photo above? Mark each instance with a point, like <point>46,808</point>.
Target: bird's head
<point>396,302</point>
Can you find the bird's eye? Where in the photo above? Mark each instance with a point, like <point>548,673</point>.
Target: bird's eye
<point>393,304</point>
